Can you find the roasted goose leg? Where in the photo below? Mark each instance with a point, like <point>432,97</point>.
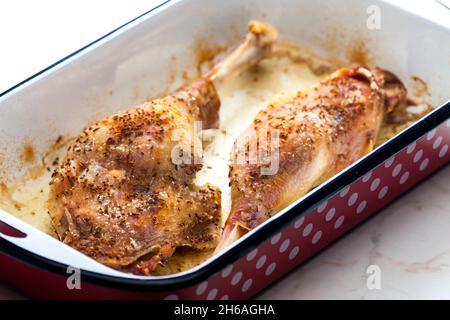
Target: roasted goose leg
<point>121,195</point>
<point>313,137</point>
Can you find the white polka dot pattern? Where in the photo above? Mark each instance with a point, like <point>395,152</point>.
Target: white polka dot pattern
<point>443,151</point>
<point>344,192</point>
<point>226,272</point>
<point>383,192</point>
<point>271,268</point>
<point>261,261</point>
<point>411,148</point>
<point>294,253</point>
<point>252,254</point>
<point>299,222</point>
<point>317,237</point>
<point>437,142</point>
<point>247,284</point>
<point>397,170</point>
<point>307,230</point>
<point>367,176</point>
<point>236,278</point>
<point>361,207</point>
<point>404,177</point>
<point>389,162</point>
<point>322,207</point>
<point>275,238</point>
<point>352,199</point>
<point>202,288</point>
<point>339,222</point>
<point>284,245</point>
<point>375,184</point>
<point>212,294</point>
<point>418,156</point>
<point>424,164</point>
<point>330,214</point>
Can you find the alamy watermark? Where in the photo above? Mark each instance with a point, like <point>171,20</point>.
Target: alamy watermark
<point>259,147</point>
<point>73,281</point>
<point>373,21</point>
<point>373,281</point>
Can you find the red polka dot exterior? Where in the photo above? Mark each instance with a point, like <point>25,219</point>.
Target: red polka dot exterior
<point>331,219</point>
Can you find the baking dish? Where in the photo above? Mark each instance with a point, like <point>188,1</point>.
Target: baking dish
<point>137,60</point>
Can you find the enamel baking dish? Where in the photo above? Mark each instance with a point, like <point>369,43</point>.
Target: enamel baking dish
<point>136,61</point>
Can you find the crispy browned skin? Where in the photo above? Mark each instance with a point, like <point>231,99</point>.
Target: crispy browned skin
<point>320,134</point>
<point>125,194</point>
<point>118,195</point>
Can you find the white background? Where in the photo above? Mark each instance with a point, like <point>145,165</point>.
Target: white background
<point>35,34</point>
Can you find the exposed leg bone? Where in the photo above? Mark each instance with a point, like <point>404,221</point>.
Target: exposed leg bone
<point>258,44</point>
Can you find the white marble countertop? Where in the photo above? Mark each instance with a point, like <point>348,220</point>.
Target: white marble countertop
<point>409,240</point>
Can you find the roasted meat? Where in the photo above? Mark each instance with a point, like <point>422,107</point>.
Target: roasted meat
<point>307,140</point>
